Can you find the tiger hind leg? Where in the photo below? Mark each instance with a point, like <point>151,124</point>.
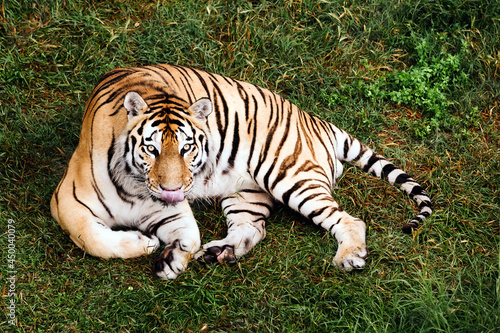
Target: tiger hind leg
<point>246,214</point>
<point>99,240</point>
<point>316,203</point>
<point>91,233</point>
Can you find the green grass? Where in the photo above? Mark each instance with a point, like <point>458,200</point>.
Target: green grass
<point>417,80</point>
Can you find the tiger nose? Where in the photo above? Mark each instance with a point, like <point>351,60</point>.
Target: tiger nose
<point>171,187</point>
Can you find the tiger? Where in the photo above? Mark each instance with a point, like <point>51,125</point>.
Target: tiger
<point>156,138</point>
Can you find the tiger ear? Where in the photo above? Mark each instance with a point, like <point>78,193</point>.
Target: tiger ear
<point>134,104</point>
<point>201,108</point>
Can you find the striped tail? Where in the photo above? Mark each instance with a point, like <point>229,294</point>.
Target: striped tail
<point>354,152</point>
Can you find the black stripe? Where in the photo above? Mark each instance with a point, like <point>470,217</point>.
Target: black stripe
<point>259,89</point>
<point>239,211</point>
<point>153,228</point>
<point>80,202</point>
<point>425,214</point>
<point>262,204</point>
<point>263,154</point>
<point>332,158</point>
<point>289,161</point>
<point>197,73</point>
<point>308,198</point>
<point>346,148</point>
<point>145,218</point>
<point>417,219</point>
<point>309,188</point>
<point>235,143</point>
<point>251,191</point>
<point>295,187</point>
<point>229,81</point>
<point>124,195</point>
<point>159,71</point>
<point>101,199</point>
<point>244,97</point>
<point>132,152</point>
<point>251,119</point>
<point>371,161</point>
<point>425,204</point>
<point>387,169</point>
<point>155,123</point>
<point>104,83</point>
<point>310,166</point>
<point>402,178</point>
<point>417,190</point>
<point>222,125</point>
<point>362,150</point>
<point>318,212</point>
<point>254,134</point>
<point>140,129</point>
<point>185,75</point>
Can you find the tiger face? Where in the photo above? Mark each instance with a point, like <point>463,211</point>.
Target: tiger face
<point>167,146</point>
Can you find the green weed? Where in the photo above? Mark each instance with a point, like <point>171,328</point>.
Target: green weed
<point>430,86</point>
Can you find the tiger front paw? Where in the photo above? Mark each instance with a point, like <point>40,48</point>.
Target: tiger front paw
<point>171,262</point>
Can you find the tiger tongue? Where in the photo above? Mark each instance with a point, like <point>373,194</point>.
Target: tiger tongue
<point>172,196</point>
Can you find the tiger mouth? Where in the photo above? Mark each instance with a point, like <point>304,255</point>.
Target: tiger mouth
<point>172,196</point>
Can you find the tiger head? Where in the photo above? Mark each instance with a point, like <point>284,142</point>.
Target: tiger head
<point>164,147</point>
